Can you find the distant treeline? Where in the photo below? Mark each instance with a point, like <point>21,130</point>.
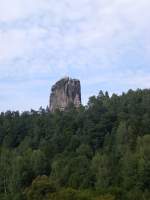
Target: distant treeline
<point>98,152</point>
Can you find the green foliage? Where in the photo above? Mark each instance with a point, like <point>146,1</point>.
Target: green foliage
<point>98,152</point>
<point>40,189</point>
<point>101,167</point>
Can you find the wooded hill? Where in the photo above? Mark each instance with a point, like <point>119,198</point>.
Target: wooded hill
<point>98,152</point>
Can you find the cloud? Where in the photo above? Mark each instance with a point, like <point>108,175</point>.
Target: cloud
<point>19,9</point>
<point>104,43</point>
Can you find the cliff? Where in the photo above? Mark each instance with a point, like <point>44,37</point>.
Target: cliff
<point>65,92</point>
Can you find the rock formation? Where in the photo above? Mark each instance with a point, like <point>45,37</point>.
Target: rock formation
<point>65,92</point>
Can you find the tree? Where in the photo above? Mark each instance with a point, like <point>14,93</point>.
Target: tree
<point>102,170</point>
<point>40,189</point>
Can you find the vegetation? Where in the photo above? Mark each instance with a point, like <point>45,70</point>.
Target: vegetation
<point>99,152</point>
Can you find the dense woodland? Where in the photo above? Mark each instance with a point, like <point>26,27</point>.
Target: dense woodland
<point>99,152</point>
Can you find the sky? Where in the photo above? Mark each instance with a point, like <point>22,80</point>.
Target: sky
<point>104,43</point>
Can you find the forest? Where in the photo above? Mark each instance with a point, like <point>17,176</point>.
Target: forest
<point>100,151</point>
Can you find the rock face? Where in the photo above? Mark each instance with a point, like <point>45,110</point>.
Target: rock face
<point>65,92</point>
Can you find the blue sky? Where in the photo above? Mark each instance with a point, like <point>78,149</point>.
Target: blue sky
<point>104,43</point>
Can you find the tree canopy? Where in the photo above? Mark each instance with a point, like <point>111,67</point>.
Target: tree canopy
<point>97,152</point>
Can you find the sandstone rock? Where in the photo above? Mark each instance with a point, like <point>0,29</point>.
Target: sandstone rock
<point>65,92</point>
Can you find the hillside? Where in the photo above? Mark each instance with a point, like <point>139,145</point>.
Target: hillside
<point>98,152</point>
